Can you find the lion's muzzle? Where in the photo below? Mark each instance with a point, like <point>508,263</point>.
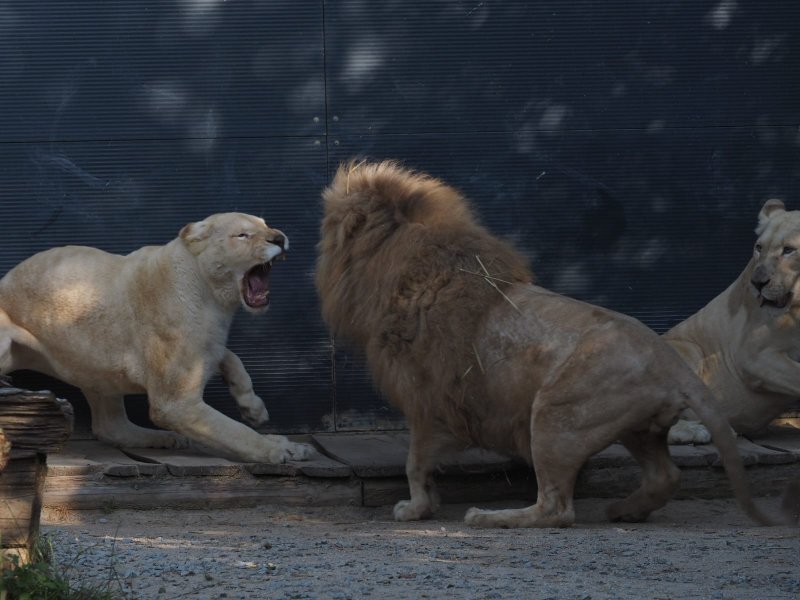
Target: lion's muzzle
<point>770,293</point>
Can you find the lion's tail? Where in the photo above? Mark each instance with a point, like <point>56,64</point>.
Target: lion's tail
<point>725,440</point>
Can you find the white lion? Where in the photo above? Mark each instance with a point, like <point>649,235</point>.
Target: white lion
<point>155,321</point>
<point>745,343</point>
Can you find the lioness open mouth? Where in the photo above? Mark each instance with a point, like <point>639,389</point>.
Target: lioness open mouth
<point>255,286</point>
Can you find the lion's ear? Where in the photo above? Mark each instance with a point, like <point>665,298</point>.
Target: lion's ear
<point>770,207</point>
<point>195,233</point>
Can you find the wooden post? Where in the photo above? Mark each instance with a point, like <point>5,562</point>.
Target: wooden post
<point>32,424</point>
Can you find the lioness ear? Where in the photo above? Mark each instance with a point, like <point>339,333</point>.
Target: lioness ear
<point>194,233</point>
<point>770,207</point>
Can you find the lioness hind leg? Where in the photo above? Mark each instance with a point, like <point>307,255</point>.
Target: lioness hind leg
<point>251,407</point>
<point>688,432</point>
<point>6,360</point>
<point>16,344</point>
<point>111,425</point>
<point>660,477</point>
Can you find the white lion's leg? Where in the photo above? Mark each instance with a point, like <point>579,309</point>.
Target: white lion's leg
<point>251,406</point>
<point>193,418</point>
<point>688,432</point>
<point>111,425</point>
<point>424,450</point>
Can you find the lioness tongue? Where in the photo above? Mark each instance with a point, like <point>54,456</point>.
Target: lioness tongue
<point>257,282</point>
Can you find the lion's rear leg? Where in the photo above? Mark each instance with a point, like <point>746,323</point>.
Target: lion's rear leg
<point>564,434</point>
<point>556,468</point>
<point>660,477</point>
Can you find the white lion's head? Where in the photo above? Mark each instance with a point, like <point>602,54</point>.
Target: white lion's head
<point>775,269</point>
<point>235,252</point>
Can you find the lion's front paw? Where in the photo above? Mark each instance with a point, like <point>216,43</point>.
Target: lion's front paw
<point>408,510</point>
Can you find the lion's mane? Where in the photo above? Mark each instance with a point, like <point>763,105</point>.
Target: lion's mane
<point>400,272</point>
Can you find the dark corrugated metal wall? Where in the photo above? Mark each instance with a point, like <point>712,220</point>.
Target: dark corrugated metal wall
<point>625,147</point>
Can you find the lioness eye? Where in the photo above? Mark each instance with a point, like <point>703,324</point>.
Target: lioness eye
<point>243,236</point>
<point>787,250</point>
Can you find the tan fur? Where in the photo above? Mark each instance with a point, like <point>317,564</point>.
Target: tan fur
<point>745,343</point>
<point>458,337</point>
<point>156,322</point>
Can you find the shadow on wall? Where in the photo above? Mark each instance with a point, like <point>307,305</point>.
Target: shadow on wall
<point>625,149</point>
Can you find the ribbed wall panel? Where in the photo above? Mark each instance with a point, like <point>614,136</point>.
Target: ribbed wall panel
<point>77,70</point>
<point>420,66</point>
<point>625,147</point>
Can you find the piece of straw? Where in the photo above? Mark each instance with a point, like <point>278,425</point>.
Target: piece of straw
<point>353,168</point>
<point>480,364</point>
<point>488,278</point>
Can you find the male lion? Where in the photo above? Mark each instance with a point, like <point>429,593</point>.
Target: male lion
<point>458,337</point>
<point>745,343</point>
<point>156,322</point>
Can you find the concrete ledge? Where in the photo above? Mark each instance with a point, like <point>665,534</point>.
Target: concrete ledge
<point>369,469</point>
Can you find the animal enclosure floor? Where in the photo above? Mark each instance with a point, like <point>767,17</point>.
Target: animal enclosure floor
<point>368,469</point>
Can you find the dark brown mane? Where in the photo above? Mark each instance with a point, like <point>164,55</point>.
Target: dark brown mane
<point>401,272</point>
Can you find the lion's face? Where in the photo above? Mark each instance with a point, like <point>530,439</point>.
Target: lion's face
<point>236,252</point>
<point>775,268</point>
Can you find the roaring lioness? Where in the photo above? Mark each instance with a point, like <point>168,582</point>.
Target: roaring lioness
<point>457,335</point>
<point>155,321</point>
<point>745,343</point>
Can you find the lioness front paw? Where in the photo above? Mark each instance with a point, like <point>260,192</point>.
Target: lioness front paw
<point>285,451</point>
<point>300,451</point>
<point>688,432</point>
<point>253,411</point>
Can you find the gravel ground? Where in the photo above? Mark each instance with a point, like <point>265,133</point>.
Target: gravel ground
<point>690,549</point>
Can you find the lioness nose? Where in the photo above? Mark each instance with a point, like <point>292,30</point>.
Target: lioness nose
<point>760,277</point>
<point>279,239</point>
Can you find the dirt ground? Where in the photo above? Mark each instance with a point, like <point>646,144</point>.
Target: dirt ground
<point>690,549</point>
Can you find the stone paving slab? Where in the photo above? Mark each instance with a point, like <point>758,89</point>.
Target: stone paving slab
<point>83,457</point>
<point>384,455</point>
